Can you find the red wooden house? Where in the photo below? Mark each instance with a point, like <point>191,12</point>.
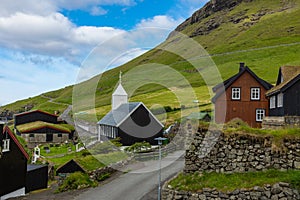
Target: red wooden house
<point>241,96</point>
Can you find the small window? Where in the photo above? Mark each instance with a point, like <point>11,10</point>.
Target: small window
<point>6,145</point>
<point>273,102</point>
<point>255,93</point>
<point>31,135</point>
<point>59,135</point>
<point>235,93</point>
<point>260,114</point>
<point>279,100</point>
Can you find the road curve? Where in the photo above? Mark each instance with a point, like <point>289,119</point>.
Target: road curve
<point>136,184</point>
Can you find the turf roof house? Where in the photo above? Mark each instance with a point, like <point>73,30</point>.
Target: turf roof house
<point>41,127</point>
<point>242,96</point>
<point>130,121</point>
<point>285,96</point>
<point>13,165</point>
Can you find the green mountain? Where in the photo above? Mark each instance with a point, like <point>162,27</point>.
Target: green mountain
<point>265,34</point>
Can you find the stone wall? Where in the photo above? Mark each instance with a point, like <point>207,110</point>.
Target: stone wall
<point>278,191</point>
<point>215,151</point>
<point>279,122</point>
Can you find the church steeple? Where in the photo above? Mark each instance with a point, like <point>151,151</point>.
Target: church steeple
<point>119,96</point>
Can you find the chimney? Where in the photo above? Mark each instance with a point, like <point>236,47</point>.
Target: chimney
<point>242,66</point>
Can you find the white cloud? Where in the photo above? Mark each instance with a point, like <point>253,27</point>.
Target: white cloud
<point>52,35</point>
<point>37,7</point>
<point>22,77</point>
<point>96,11</point>
<point>160,21</point>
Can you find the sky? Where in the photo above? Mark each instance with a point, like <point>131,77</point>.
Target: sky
<point>44,43</point>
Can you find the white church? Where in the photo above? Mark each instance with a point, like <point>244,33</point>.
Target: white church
<point>130,121</point>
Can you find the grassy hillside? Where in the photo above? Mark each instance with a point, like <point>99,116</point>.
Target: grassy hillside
<point>265,34</point>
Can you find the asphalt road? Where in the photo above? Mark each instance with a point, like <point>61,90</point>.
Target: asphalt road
<point>140,183</point>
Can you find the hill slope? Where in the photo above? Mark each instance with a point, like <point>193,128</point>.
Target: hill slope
<point>265,34</point>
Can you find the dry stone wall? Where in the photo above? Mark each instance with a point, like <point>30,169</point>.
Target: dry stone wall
<point>215,151</point>
<point>278,191</point>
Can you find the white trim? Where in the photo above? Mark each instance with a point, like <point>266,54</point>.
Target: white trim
<point>260,111</point>
<point>237,91</point>
<point>279,100</point>
<point>140,103</point>
<point>272,102</point>
<point>255,91</point>
<point>17,193</point>
<point>6,145</point>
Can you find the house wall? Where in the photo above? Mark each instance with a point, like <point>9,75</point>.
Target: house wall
<point>139,127</point>
<point>41,137</point>
<point>291,100</point>
<point>245,108</point>
<point>37,179</point>
<point>13,166</point>
<point>34,116</point>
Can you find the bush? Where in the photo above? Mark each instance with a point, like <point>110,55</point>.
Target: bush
<point>235,123</point>
<point>138,147</point>
<point>75,181</point>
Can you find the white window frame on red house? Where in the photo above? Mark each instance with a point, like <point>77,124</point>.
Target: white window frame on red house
<point>260,114</point>
<point>255,93</point>
<point>235,93</point>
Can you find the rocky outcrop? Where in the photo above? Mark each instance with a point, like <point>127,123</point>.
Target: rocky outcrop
<point>278,191</point>
<point>211,7</point>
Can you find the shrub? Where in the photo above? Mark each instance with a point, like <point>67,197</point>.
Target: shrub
<point>75,181</point>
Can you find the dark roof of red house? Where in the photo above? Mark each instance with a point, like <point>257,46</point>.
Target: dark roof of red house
<point>33,111</point>
<point>227,83</point>
<point>16,141</point>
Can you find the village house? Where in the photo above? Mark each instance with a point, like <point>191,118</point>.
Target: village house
<point>242,96</point>
<point>130,121</point>
<point>284,98</point>
<point>13,165</point>
<point>38,127</point>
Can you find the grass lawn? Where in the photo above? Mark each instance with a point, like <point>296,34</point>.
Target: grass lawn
<point>60,155</point>
<point>229,182</point>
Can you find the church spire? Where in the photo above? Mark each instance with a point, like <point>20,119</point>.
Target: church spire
<point>119,96</point>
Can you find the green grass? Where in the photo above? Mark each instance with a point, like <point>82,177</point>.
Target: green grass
<point>276,28</point>
<point>76,181</point>
<point>39,124</point>
<point>229,182</point>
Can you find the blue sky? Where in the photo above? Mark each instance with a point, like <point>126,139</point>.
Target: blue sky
<point>43,43</point>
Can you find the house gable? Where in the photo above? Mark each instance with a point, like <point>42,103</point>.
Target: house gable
<point>234,82</point>
<point>13,165</point>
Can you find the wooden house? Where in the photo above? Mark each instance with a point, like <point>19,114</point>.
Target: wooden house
<point>131,122</point>
<point>241,96</point>
<point>284,98</point>
<point>70,167</point>
<point>38,127</point>
<point>39,132</point>
<point>13,165</point>
<point>37,177</point>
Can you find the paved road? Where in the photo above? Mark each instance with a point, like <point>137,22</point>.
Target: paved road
<point>140,183</point>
